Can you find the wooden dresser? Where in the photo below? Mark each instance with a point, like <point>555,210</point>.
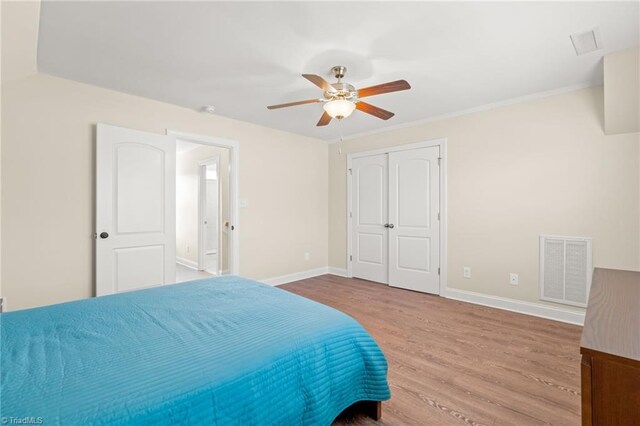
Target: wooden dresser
<point>610,349</point>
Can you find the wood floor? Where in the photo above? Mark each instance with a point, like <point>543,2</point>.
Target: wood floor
<point>456,363</point>
<point>187,274</point>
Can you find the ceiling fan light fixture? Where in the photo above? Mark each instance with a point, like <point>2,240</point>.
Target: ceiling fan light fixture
<point>339,108</point>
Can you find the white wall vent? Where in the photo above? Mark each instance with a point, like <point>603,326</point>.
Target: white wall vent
<point>565,269</point>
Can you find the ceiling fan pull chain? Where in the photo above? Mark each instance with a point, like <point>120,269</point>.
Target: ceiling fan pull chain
<point>341,138</point>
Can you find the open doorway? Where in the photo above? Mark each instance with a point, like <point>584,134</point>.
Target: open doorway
<point>202,211</point>
<point>209,214</point>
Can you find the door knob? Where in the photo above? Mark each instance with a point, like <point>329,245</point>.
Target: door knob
<point>386,225</point>
<point>391,225</point>
<point>104,235</point>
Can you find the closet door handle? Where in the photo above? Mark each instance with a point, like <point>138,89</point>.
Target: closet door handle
<point>391,226</point>
<point>386,225</point>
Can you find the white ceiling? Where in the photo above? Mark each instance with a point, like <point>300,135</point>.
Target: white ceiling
<point>242,56</point>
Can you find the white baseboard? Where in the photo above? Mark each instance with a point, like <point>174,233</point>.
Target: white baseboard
<point>297,276</point>
<point>340,272</point>
<point>186,262</point>
<point>513,305</point>
<point>519,306</point>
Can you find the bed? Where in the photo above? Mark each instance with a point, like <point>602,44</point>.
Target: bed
<point>220,351</point>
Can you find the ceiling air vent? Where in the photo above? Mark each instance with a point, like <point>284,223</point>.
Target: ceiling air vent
<point>565,269</point>
<point>586,42</point>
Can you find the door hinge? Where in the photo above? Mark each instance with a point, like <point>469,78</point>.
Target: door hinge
<point>438,215</point>
<point>350,258</point>
<point>439,160</point>
<point>438,271</point>
<point>350,171</point>
<point>350,214</point>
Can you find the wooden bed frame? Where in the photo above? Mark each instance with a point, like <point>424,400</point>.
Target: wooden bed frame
<point>372,409</point>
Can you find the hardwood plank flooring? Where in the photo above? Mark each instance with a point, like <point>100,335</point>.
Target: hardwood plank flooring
<point>455,363</point>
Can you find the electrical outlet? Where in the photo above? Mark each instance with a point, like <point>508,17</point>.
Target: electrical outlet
<point>513,279</point>
<point>466,272</point>
<point>306,256</point>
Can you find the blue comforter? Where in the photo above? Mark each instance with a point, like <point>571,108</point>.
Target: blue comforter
<point>221,351</point>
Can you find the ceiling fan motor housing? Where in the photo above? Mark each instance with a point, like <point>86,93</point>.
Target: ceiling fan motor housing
<point>344,91</point>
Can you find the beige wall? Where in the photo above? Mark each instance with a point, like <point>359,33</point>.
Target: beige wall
<point>18,44</point>
<point>48,142</point>
<point>187,187</point>
<point>515,172</point>
<point>19,40</point>
<point>622,91</point>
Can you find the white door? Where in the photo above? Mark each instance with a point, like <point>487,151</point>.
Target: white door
<point>135,209</point>
<point>369,215</point>
<point>414,229</point>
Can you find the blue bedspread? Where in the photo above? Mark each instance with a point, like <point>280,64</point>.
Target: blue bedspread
<point>221,351</point>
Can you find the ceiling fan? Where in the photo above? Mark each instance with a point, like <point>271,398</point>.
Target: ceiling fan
<point>340,99</point>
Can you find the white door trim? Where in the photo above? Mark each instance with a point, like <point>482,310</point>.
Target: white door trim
<point>440,142</point>
<point>234,180</point>
<point>202,210</point>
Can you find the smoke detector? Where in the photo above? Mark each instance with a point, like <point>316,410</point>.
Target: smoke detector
<point>586,42</point>
<point>209,109</point>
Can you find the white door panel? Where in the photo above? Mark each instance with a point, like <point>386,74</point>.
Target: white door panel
<point>371,248</point>
<point>135,210</point>
<point>414,253</point>
<point>412,191</point>
<point>369,214</point>
<point>138,267</point>
<point>414,233</point>
<point>139,186</point>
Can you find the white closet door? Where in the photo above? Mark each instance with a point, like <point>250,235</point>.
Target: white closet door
<point>414,232</point>
<point>369,215</point>
<point>135,210</point>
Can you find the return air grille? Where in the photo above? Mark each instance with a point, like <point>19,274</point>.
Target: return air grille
<point>565,269</point>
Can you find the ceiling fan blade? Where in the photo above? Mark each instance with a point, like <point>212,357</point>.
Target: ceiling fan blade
<point>393,86</point>
<point>308,101</point>
<point>320,82</point>
<point>324,120</point>
<point>374,110</point>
